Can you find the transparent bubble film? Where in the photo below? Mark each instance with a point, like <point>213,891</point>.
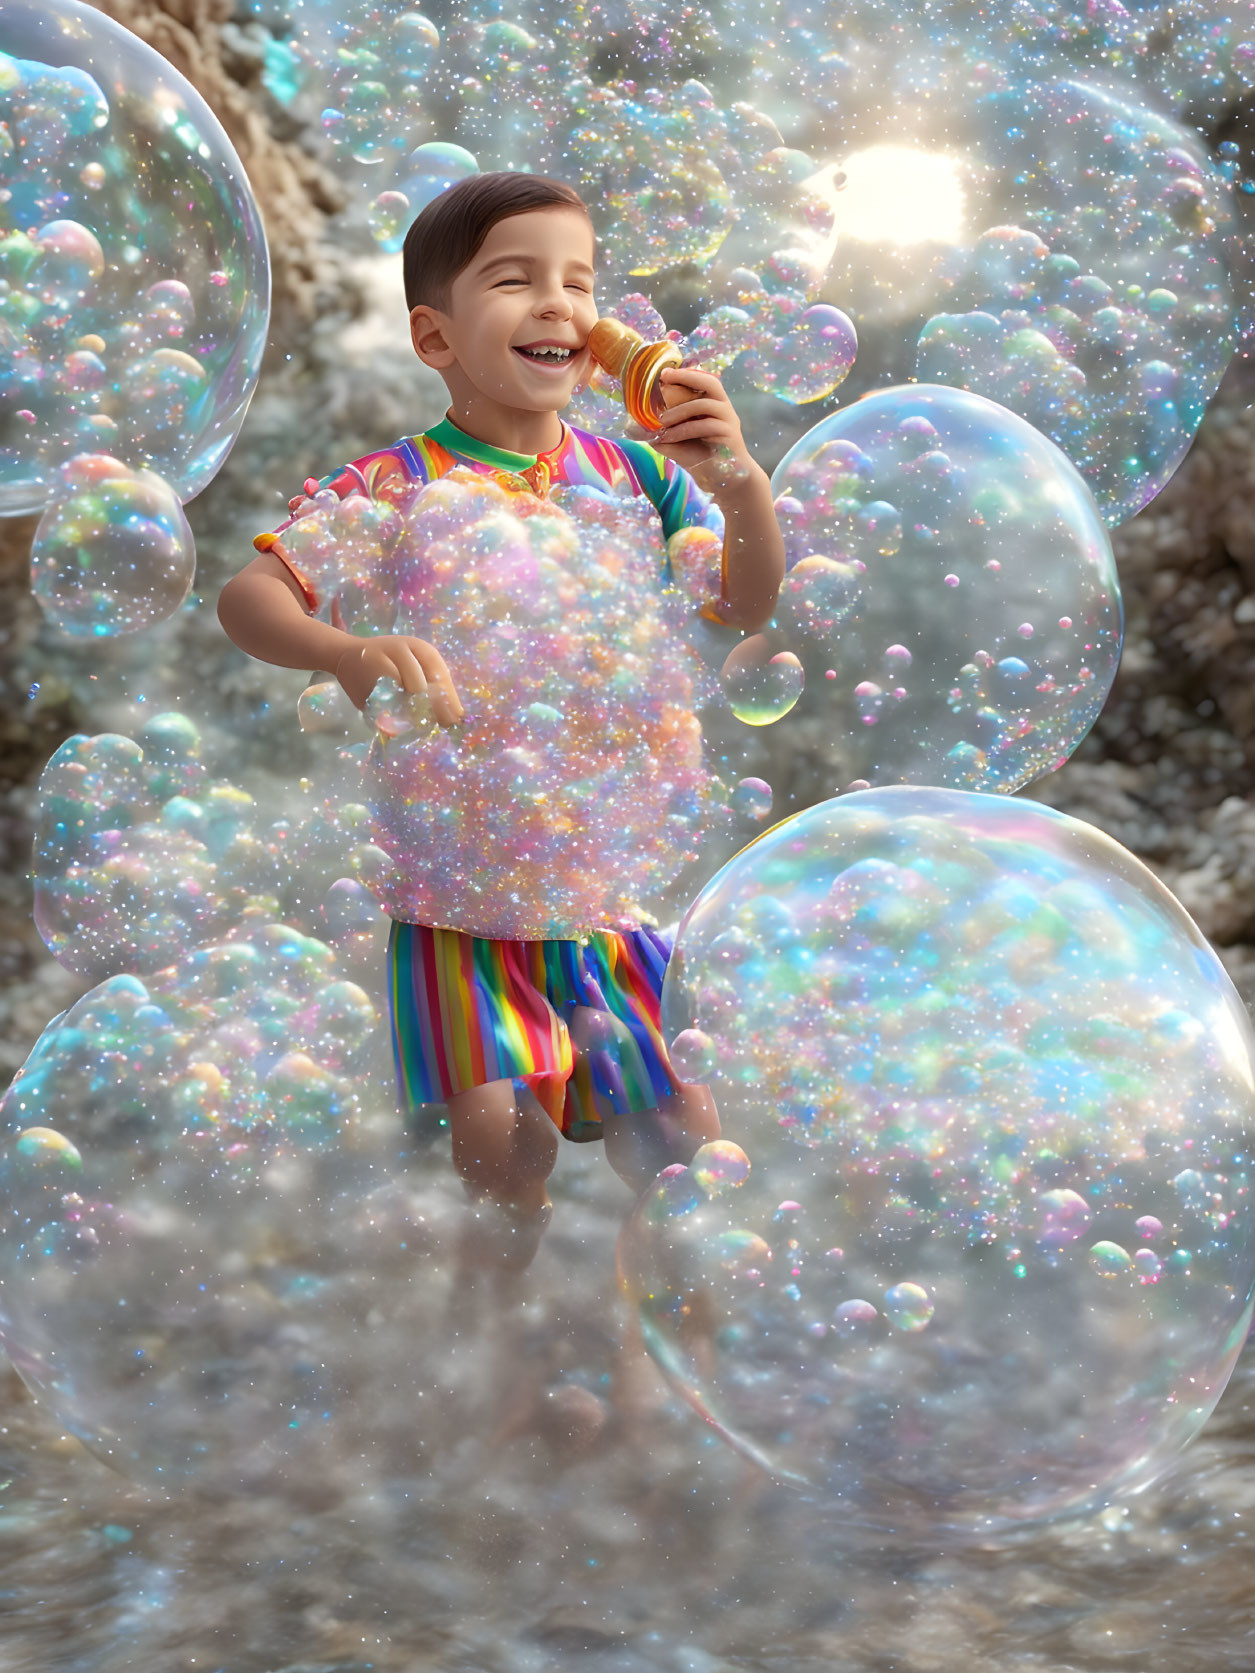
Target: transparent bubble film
<point>134,280</point>
<point>173,1157</point>
<point>992,1258</point>
<point>576,793</point>
<point>951,598</point>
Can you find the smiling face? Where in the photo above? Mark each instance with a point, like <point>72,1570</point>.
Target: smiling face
<point>512,342</point>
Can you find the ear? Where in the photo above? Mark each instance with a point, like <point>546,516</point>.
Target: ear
<point>427,333</point>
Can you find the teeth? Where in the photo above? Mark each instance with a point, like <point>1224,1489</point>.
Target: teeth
<point>548,354</point>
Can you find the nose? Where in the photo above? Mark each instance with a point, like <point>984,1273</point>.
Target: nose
<point>553,302</point>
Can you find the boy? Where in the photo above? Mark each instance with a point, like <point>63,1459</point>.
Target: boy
<point>499,274</point>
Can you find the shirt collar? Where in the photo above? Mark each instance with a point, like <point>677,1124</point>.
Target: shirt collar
<point>446,434</point>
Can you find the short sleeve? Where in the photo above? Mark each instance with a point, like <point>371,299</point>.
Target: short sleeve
<point>305,544</point>
<point>678,500</point>
<point>692,526</point>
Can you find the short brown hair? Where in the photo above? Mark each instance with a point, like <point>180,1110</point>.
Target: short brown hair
<point>447,233</point>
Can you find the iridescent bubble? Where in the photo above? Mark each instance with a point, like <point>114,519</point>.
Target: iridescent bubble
<point>692,1055</point>
<point>432,169</point>
<point>1028,257</point>
<point>1064,1216</point>
<point>1110,1260</point>
<point>909,1307</point>
<point>43,1153</point>
<point>399,714</point>
<point>113,553</point>
<point>134,267</point>
<point>348,908</point>
<point>752,799</point>
<point>324,707</point>
<point>742,1253</point>
<point>883,506</point>
<point>933,1015</point>
<point>809,360</point>
<point>1148,1227</point>
<point>761,682</point>
<point>389,220</point>
<point>719,1166</point>
<point>855,1318</point>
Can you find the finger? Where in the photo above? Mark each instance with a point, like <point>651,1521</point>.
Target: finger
<point>693,377</point>
<point>446,704</point>
<point>409,670</point>
<point>701,407</point>
<point>705,430</point>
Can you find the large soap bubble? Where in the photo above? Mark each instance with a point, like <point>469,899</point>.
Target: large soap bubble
<point>113,553</point>
<point>174,1153</point>
<point>993,1258</point>
<point>576,793</point>
<point>951,592</point>
<point>142,852</point>
<point>1056,247</point>
<point>135,273</point>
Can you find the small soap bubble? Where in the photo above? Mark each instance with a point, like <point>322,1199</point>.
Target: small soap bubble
<point>431,170</point>
<point>389,219</point>
<point>742,1253</point>
<point>692,1055</point>
<point>113,553</point>
<point>760,684</point>
<point>325,707</point>
<point>1148,1265</point>
<point>720,1166</point>
<point>853,1319</point>
<point>41,1152</point>
<point>1148,1228</point>
<point>752,799</point>
<point>908,1307</point>
<point>1063,1216</point>
<point>1110,1260</point>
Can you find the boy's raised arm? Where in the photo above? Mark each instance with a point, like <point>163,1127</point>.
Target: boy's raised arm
<point>703,434</point>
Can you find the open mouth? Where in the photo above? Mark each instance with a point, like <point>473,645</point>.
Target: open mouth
<point>547,354</point>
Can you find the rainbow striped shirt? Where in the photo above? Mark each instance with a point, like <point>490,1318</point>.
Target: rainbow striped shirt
<point>579,460</point>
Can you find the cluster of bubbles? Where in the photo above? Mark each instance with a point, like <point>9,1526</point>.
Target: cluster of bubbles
<point>133,270</point>
<point>993,1257</point>
<point>951,606</point>
<point>575,792</point>
<point>1057,244</point>
<point>113,553</point>
<point>163,1151</point>
<point>1098,306</point>
<point>142,852</point>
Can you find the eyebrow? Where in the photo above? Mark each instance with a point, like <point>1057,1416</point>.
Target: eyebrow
<point>528,261</point>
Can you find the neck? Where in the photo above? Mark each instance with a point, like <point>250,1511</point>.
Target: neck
<point>510,428</point>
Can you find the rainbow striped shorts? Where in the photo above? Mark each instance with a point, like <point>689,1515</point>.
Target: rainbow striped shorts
<point>570,1019</point>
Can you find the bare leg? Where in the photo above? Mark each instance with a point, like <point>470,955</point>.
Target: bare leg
<point>502,1150</point>
<point>640,1145</point>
